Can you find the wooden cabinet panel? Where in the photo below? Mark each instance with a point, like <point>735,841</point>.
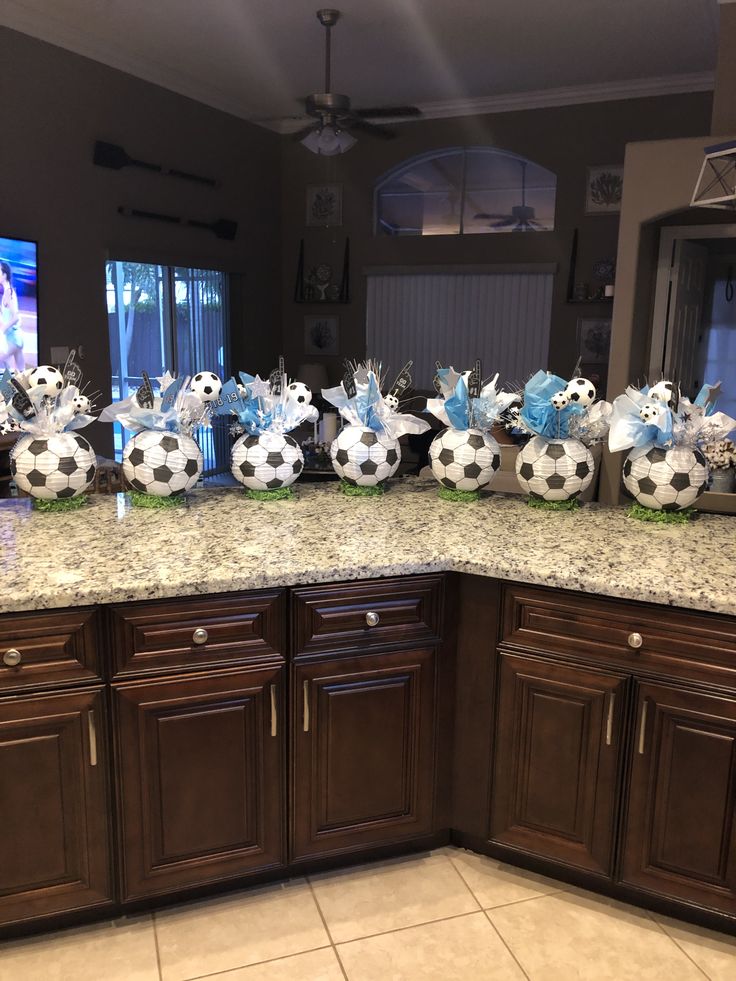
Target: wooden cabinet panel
<point>680,836</point>
<point>201,768</point>
<point>175,635</point>
<point>54,846</point>
<point>557,752</point>
<point>343,617</point>
<point>363,766</point>
<point>40,649</point>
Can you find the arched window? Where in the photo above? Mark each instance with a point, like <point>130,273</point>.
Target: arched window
<point>465,191</point>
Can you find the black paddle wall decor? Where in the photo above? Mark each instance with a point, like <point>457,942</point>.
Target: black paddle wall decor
<point>222,227</point>
<point>116,158</point>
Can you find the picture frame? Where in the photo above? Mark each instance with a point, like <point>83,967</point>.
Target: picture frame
<point>594,339</point>
<point>603,189</point>
<point>324,205</point>
<point>322,334</point>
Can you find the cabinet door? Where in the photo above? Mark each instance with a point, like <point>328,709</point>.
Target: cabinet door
<point>363,751</point>
<point>681,831</point>
<point>556,760</point>
<point>201,772</point>
<point>54,844</point>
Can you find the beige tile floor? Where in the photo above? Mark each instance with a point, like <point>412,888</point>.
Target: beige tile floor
<point>444,916</point>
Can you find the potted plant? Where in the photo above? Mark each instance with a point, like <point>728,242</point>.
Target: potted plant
<point>721,457</point>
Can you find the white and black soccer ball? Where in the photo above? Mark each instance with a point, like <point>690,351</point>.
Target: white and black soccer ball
<point>649,411</point>
<point>53,468</point>
<point>207,385</point>
<point>665,480</point>
<point>661,392</point>
<point>45,380</point>
<point>392,401</point>
<point>161,463</point>
<point>81,404</point>
<point>299,392</point>
<point>580,390</point>
<point>363,457</point>
<point>464,460</point>
<point>560,401</point>
<point>268,461</point>
<point>554,469</point>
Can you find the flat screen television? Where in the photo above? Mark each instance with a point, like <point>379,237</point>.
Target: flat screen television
<point>18,304</point>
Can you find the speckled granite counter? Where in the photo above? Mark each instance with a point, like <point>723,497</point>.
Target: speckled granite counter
<point>219,541</point>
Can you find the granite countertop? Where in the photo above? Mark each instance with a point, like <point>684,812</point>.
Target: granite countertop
<point>220,541</point>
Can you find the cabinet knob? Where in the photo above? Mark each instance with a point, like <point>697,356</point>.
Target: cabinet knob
<point>635,640</point>
<point>200,636</point>
<point>372,619</point>
<point>12,657</point>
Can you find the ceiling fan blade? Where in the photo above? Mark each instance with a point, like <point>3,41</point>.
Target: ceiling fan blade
<point>370,129</point>
<point>506,223</point>
<point>301,133</point>
<point>482,215</point>
<point>389,112</point>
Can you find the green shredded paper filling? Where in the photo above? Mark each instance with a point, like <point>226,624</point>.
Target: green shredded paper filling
<point>276,494</point>
<point>63,504</point>
<point>641,513</point>
<point>139,500</point>
<point>350,490</point>
<point>466,497</point>
<point>538,502</point>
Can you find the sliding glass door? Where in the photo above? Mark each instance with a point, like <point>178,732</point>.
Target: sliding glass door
<point>168,317</point>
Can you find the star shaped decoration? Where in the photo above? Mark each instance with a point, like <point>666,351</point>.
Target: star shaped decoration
<point>259,387</point>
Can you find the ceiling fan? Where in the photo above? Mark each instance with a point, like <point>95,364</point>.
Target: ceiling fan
<point>522,217</point>
<point>334,118</point>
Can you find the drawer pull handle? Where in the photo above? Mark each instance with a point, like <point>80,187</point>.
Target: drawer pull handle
<point>12,657</point>
<point>274,713</point>
<point>92,732</point>
<point>200,636</point>
<point>609,720</point>
<point>635,640</point>
<point>643,727</point>
<point>305,693</point>
<point>372,619</point>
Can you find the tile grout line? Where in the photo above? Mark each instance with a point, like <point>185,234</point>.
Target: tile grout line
<point>674,941</point>
<point>514,902</point>
<point>410,926</point>
<point>460,876</point>
<point>244,967</point>
<point>501,937</point>
<point>327,929</point>
<point>155,944</point>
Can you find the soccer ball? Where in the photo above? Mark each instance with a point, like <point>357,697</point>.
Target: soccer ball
<point>392,402</point>
<point>81,404</point>
<point>53,467</point>
<point>554,469</point>
<point>363,457</point>
<point>45,380</point>
<point>665,480</point>
<point>464,459</point>
<point>268,461</point>
<point>661,392</point>
<point>206,385</point>
<point>650,411</point>
<point>299,392</point>
<point>161,463</point>
<point>580,390</point>
<point>559,400</point>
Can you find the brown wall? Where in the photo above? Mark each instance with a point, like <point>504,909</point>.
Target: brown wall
<point>566,140</point>
<point>55,104</point>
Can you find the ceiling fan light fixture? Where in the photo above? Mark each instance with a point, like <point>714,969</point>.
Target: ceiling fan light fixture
<point>328,140</point>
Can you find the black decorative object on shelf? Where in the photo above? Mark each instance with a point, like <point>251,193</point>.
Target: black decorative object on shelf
<point>222,227</point>
<point>115,158</point>
<point>578,292</point>
<point>315,283</point>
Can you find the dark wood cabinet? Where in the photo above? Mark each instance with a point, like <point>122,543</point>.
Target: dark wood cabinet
<point>557,756</point>
<point>54,845</point>
<point>363,751</point>
<point>680,836</point>
<point>201,773</point>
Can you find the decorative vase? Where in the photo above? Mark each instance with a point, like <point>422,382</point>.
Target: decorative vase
<point>722,481</point>
<point>665,480</point>
<point>363,457</point>
<point>464,460</point>
<point>554,469</point>
<point>162,464</point>
<point>266,462</point>
<point>53,468</point>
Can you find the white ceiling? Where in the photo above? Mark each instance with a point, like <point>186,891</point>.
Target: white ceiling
<point>255,58</point>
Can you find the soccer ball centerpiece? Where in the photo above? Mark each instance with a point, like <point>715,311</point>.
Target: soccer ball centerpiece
<point>50,462</point>
<point>554,469</point>
<point>161,463</point>
<point>265,459</point>
<point>665,470</point>
<point>464,459</point>
<point>366,452</point>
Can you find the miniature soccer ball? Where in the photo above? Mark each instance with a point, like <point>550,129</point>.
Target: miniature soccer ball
<point>392,402</point>
<point>299,392</point>
<point>554,469</point>
<point>650,411</point>
<point>53,467</point>
<point>363,457</point>
<point>665,480</point>
<point>45,380</point>
<point>580,390</point>
<point>206,385</point>
<point>268,461</point>
<point>161,463</point>
<point>464,460</point>
<point>661,392</point>
<point>81,404</point>
<point>559,400</point>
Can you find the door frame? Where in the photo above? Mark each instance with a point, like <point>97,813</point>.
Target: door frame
<point>668,237</point>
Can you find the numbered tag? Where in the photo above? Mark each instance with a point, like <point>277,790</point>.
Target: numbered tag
<point>144,395</point>
<point>578,367</point>
<point>169,397</point>
<point>21,402</point>
<point>675,396</point>
<point>72,372</point>
<point>475,380</point>
<point>6,388</point>
<point>348,381</point>
<point>403,381</point>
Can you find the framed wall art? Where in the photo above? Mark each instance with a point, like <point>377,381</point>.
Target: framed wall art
<point>594,339</point>
<point>603,189</point>
<point>321,334</point>
<point>324,205</point>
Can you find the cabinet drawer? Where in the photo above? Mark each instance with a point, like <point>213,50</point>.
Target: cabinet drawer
<point>48,648</point>
<point>351,616</point>
<point>569,623</point>
<point>175,635</point>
